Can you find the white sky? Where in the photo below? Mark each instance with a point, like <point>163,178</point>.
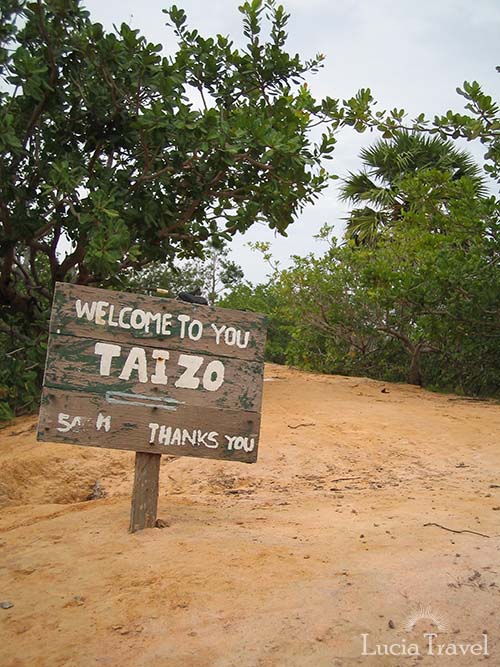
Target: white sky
<point>411,54</point>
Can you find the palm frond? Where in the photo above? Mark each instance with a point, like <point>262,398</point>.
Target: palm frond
<point>363,226</point>
<point>358,188</point>
<point>409,153</point>
<point>379,192</point>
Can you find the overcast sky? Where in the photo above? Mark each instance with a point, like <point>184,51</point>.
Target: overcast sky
<point>411,54</point>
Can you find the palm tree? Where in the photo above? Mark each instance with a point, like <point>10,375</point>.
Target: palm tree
<point>376,192</point>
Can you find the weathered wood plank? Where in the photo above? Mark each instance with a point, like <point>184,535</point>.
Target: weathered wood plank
<point>99,367</point>
<point>144,506</point>
<point>89,419</point>
<point>120,317</point>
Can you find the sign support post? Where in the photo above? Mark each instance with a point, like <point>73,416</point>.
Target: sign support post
<point>144,506</point>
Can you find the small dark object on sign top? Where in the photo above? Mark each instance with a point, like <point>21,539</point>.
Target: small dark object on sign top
<point>189,297</point>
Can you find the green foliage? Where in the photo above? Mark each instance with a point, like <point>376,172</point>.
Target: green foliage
<point>483,124</point>
<point>264,298</point>
<point>22,351</point>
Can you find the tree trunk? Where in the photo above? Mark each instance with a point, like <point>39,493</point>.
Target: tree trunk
<point>415,374</point>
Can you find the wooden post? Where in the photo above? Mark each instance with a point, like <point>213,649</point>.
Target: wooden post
<point>145,491</point>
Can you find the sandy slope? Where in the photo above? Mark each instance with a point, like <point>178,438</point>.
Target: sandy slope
<point>283,563</point>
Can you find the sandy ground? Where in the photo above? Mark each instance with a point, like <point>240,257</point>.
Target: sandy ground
<point>287,562</point>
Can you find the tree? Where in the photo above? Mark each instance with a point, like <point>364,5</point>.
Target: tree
<point>421,306</point>
<point>377,191</point>
<point>114,157</point>
<point>212,277</point>
<point>107,164</point>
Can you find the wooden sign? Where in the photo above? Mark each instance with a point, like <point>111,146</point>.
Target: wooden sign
<point>152,375</point>
<point>155,376</point>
